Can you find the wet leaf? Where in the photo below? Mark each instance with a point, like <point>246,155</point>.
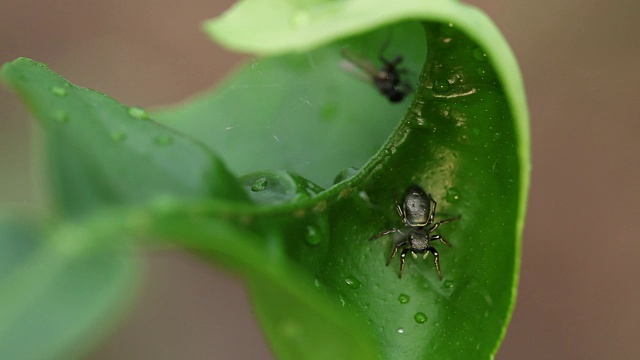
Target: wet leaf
<point>323,153</point>
<point>58,297</point>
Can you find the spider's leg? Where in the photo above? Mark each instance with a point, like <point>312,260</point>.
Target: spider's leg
<point>387,232</point>
<point>399,208</point>
<point>440,238</point>
<point>433,250</point>
<point>402,256</point>
<point>395,250</point>
<point>436,225</point>
<point>432,213</point>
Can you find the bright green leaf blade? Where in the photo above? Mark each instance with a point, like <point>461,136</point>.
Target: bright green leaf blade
<point>300,320</point>
<point>102,152</point>
<point>56,302</point>
<point>282,26</point>
<point>465,140</point>
<point>467,143</point>
<point>302,112</point>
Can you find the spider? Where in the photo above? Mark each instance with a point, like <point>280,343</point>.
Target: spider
<point>417,212</point>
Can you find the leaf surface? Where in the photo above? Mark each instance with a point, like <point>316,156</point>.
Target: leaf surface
<point>323,154</point>
<point>58,296</point>
<point>463,138</point>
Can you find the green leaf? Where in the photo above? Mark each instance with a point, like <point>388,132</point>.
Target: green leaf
<point>57,296</point>
<point>300,320</point>
<point>305,113</point>
<point>317,282</point>
<point>102,152</point>
<point>464,138</point>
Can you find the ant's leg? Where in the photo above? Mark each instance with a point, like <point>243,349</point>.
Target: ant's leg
<point>433,250</point>
<point>402,256</point>
<point>397,60</point>
<point>436,225</point>
<point>438,237</point>
<point>387,232</point>
<point>395,250</point>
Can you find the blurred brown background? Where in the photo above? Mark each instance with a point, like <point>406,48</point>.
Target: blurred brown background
<point>579,293</point>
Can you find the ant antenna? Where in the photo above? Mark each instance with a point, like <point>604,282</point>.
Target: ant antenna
<point>385,45</point>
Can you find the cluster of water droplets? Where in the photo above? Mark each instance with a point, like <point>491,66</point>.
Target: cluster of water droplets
<point>117,136</point>
<point>59,115</point>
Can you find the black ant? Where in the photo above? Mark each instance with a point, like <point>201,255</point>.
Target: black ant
<point>386,79</point>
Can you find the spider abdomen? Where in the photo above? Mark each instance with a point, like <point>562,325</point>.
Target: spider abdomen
<point>417,207</point>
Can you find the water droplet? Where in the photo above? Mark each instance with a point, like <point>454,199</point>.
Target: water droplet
<point>163,140</point>
<point>137,112</point>
<point>452,194</point>
<point>400,331</point>
<point>441,86</point>
<point>420,318</point>
<point>479,54</point>
<point>488,299</point>
<point>61,116</point>
<point>118,136</point>
<point>345,174</point>
<point>300,19</point>
<point>260,184</point>
<point>404,298</point>
<point>448,284</point>
<point>447,29</point>
<point>352,282</point>
<point>301,196</point>
<point>59,91</point>
<point>313,236</point>
<point>291,329</point>
<point>482,71</point>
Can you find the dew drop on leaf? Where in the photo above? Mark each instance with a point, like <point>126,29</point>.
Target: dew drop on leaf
<point>452,194</point>
<point>137,112</point>
<point>61,116</point>
<point>118,136</point>
<point>441,86</point>
<point>352,282</point>
<point>260,184</point>
<point>420,318</point>
<point>345,174</point>
<point>163,140</point>
<point>448,284</point>
<point>301,196</point>
<point>290,329</point>
<point>300,19</point>
<point>400,331</point>
<point>313,236</point>
<point>59,91</point>
<point>404,299</point>
<point>478,54</point>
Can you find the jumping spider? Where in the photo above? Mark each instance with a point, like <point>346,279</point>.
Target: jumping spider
<point>417,212</point>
